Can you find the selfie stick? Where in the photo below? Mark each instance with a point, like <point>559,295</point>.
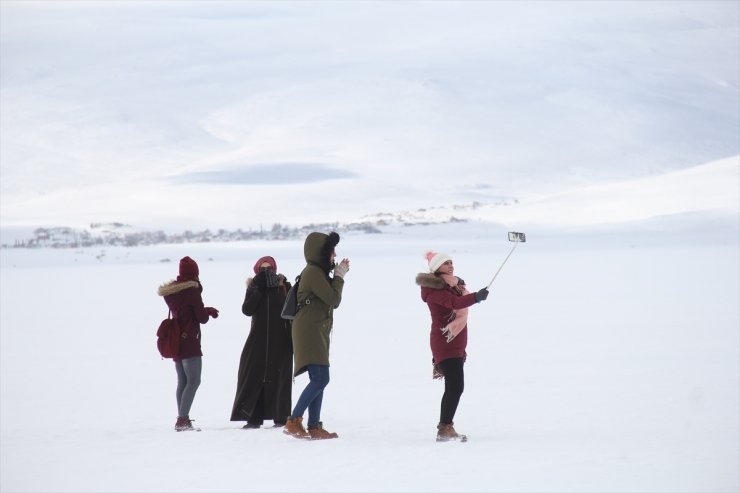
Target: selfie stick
<point>516,238</point>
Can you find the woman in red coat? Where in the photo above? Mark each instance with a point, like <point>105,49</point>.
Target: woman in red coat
<point>448,300</point>
<point>183,297</point>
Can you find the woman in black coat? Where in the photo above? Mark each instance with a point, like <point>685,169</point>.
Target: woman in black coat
<point>264,383</point>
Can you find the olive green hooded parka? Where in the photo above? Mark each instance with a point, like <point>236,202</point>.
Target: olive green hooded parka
<point>318,296</point>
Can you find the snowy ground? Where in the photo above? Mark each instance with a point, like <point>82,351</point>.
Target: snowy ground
<point>597,364</point>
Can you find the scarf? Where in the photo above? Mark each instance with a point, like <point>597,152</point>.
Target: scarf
<point>458,319</point>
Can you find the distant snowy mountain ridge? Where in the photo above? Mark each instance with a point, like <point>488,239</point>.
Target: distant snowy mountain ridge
<point>120,234</point>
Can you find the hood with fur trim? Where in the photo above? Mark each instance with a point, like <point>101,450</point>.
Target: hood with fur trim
<point>428,280</point>
<point>173,287</point>
<point>318,247</point>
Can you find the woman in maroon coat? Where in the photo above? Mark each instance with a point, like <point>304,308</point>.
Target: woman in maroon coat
<point>183,297</point>
<point>448,300</point>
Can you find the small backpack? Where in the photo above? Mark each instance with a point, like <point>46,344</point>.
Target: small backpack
<point>168,337</point>
<point>290,307</point>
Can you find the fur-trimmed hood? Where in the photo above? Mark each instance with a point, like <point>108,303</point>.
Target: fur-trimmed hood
<point>427,280</point>
<point>173,287</point>
<point>318,247</point>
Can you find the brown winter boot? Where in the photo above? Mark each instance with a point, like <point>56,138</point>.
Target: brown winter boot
<point>446,432</point>
<point>294,427</point>
<point>318,432</point>
<point>184,423</point>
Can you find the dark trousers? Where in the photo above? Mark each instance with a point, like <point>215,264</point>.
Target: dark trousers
<point>452,369</point>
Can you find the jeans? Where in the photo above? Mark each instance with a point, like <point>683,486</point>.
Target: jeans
<point>313,394</point>
<point>454,386</point>
<point>188,381</point>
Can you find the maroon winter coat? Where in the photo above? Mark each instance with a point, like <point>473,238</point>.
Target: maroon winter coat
<point>185,301</point>
<point>441,300</point>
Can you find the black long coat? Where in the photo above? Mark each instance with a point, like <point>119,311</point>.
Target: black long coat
<point>267,358</point>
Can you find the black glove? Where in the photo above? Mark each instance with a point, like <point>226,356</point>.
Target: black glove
<point>481,295</point>
<point>260,280</point>
<point>273,280</point>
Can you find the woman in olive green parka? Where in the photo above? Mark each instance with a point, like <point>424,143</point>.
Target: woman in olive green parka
<point>318,295</point>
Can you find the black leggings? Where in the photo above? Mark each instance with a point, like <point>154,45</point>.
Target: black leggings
<point>452,369</point>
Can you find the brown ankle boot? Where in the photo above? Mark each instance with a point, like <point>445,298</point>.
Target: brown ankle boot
<point>446,432</point>
<point>294,427</point>
<point>318,432</point>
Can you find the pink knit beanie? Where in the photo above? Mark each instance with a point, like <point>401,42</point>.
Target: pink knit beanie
<point>436,260</point>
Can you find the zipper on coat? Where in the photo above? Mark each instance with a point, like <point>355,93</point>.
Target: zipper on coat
<point>267,338</point>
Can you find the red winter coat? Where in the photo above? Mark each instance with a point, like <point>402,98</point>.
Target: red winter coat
<point>186,303</point>
<point>441,300</point>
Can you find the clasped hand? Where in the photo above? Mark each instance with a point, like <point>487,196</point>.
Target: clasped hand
<point>342,268</point>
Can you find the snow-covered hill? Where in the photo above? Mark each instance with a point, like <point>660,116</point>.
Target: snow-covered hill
<point>710,192</point>
<point>194,115</point>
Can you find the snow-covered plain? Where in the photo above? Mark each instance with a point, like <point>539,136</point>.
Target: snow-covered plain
<point>599,363</point>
